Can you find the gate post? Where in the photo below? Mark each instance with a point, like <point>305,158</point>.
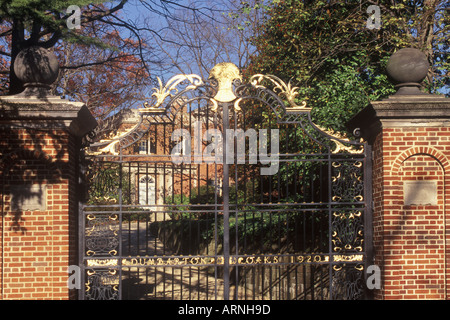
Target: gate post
<point>40,140</point>
<point>410,135</point>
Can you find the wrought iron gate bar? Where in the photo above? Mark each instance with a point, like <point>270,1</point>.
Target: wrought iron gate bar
<point>316,205</point>
<point>156,229</point>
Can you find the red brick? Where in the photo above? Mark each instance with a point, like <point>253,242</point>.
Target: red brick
<point>36,255</point>
<point>406,241</point>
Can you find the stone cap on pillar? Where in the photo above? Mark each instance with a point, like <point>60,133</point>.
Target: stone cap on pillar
<point>408,106</point>
<point>38,68</point>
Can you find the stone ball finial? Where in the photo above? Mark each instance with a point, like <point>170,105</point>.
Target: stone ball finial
<point>36,67</point>
<point>407,68</point>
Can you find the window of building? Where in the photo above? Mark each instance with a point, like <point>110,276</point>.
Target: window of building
<point>146,146</point>
<point>143,147</point>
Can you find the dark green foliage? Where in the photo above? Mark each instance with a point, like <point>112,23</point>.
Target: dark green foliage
<point>326,49</point>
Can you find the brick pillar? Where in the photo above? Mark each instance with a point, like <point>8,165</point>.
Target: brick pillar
<point>39,151</point>
<point>410,134</point>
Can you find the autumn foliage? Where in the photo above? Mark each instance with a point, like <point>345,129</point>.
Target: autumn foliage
<point>100,64</point>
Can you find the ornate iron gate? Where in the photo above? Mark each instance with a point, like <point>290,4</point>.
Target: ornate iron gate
<point>225,190</point>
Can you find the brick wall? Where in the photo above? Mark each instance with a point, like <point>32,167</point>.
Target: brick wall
<point>410,241</point>
<point>37,246</point>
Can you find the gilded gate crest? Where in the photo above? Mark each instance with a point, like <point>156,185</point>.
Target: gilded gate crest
<point>225,74</point>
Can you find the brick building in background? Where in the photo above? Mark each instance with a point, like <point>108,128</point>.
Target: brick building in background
<point>153,175</point>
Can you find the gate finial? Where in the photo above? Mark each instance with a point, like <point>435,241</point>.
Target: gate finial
<point>225,73</point>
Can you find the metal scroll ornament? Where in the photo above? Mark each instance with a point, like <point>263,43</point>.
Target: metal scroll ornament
<point>110,143</point>
<point>347,283</point>
<point>347,231</point>
<point>102,284</point>
<point>286,91</point>
<point>342,142</point>
<point>171,88</point>
<point>102,235</point>
<point>347,181</point>
<point>224,80</point>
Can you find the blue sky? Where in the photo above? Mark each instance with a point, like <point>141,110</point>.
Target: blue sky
<point>135,12</point>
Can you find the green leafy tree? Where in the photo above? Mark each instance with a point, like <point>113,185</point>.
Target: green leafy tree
<point>327,49</point>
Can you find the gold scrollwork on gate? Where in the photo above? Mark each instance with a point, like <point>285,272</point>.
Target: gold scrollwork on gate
<point>348,232</point>
<point>339,139</point>
<point>283,90</point>
<point>170,89</point>
<point>223,76</point>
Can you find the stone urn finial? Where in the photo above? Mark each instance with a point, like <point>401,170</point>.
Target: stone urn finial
<point>407,68</point>
<point>37,68</point>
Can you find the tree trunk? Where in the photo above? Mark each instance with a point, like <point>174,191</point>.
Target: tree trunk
<point>17,44</point>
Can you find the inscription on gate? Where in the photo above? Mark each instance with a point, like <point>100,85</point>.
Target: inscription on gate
<point>207,261</point>
<point>260,203</point>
